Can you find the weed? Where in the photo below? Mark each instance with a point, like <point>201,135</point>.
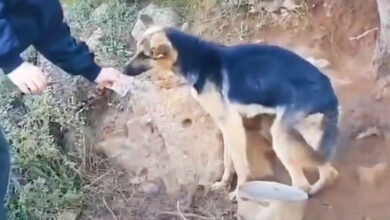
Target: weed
<point>47,132</point>
<point>243,31</point>
<point>45,179</point>
<point>116,24</point>
<point>185,8</point>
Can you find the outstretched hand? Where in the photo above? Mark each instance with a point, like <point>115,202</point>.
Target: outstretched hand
<point>108,77</point>
<point>28,78</point>
<point>113,79</point>
<point>31,79</point>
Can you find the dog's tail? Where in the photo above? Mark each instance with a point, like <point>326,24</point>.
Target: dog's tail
<point>330,138</point>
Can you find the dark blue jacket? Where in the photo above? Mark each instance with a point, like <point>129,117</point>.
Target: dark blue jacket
<point>40,23</point>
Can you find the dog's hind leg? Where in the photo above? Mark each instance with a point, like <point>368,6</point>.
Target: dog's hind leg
<point>292,149</point>
<point>326,129</point>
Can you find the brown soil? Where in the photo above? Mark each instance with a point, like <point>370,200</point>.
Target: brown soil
<point>170,151</point>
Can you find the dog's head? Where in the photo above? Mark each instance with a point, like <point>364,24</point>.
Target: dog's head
<point>154,50</point>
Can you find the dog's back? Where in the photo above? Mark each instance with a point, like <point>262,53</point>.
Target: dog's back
<point>275,77</point>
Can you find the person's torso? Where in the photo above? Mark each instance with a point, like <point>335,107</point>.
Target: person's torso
<point>30,19</point>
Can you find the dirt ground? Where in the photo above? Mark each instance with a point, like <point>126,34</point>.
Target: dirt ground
<point>168,151</point>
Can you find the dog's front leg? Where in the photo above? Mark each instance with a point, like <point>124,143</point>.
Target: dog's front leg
<point>234,136</point>
<point>233,131</point>
<point>228,170</point>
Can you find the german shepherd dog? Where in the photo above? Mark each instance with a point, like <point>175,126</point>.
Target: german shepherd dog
<point>230,82</point>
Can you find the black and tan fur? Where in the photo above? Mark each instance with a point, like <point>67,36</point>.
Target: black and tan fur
<point>247,80</point>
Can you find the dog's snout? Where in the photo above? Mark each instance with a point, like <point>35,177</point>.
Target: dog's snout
<point>136,67</point>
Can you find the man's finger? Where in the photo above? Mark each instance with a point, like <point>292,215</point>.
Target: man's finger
<point>23,87</point>
<point>40,75</point>
<point>44,79</point>
<point>32,87</point>
<point>40,84</point>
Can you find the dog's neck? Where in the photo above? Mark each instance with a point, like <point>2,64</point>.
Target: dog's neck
<point>197,59</point>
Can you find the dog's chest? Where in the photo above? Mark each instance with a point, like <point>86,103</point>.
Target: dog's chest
<point>251,110</point>
<point>218,106</point>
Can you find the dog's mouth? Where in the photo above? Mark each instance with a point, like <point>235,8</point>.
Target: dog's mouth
<point>135,70</point>
<point>138,65</point>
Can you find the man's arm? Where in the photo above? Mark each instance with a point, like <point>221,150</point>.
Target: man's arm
<point>74,57</point>
<point>63,50</point>
<point>9,45</point>
<point>58,46</point>
<point>10,61</point>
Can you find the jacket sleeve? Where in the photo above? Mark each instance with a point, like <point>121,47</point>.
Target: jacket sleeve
<point>9,45</point>
<point>63,50</point>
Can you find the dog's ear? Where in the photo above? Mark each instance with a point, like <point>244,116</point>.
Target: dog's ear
<point>161,51</point>
<point>146,20</point>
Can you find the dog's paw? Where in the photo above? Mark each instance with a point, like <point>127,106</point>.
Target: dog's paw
<point>233,196</point>
<point>317,187</point>
<point>333,176</point>
<point>307,188</point>
<point>221,185</point>
<point>330,178</point>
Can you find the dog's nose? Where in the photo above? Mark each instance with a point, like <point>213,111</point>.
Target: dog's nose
<point>130,70</point>
<point>134,69</point>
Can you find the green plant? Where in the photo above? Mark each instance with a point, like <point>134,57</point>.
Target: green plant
<point>116,25</point>
<point>47,132</point>
<point>185,8</point>
<point>45,177</point>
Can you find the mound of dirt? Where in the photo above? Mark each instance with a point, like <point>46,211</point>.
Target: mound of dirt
<point>165,134</point>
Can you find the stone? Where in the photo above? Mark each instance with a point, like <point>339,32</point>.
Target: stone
<point>166,17</point>
<point>100,12</point>
<point>69,215</point>
<point>93,41</point>
<point>149,188</point>
<point>319,63</point>
<point>373,175</point>
<point>269,6</point>
<point>372,131</point>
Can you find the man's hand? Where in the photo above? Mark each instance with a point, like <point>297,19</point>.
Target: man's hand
<point>28,78</point>
<point>115,80</point>
<point>108,77</point>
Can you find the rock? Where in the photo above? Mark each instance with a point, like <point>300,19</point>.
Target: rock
<point>186,27</point>
<point>69,215</point>
<point>93,42</point>
<point>269,6</point>
<point>372,131</point>
<point>374,175</point>
<point>100,12</point>
<point>289,4</point>
<point>165,16</point>
<point>149,188</point>
<point>258,41</point>
<point>319,63</point>
<point>155,138</point>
